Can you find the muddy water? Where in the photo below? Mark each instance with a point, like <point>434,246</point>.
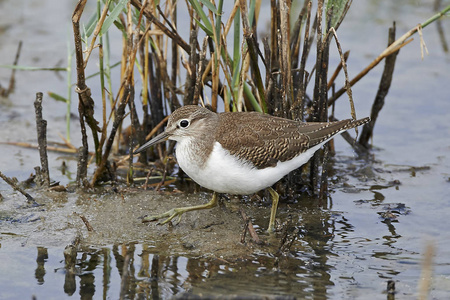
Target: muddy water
<point>383,212</point>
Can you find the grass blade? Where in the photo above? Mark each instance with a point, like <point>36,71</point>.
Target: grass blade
<point>113,16</point>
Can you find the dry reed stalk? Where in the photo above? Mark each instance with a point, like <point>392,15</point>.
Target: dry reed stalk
<point>174,103</point>
<point>95,34</point>
<point>319,98</point>
<point>383,90</point>
<point>337,71</point>
<point>347,83</point>
<point>104,122</point>
<point>49,148</point>
<point>295,41</point>
<point>201,72</point>
<point>248,226</point>
<point>191,67</point>
<point>215,56</point>
<point>85,103</point>
<point>285,59</point>
<point>41,127</point>
<point>299,105</point>
<point>171,34</point>
<point>11,182</point>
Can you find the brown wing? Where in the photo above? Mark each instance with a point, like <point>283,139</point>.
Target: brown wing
<point>265,140</point>
<point>262,139</point>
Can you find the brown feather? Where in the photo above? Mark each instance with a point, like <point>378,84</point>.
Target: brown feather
<point>265,140</point>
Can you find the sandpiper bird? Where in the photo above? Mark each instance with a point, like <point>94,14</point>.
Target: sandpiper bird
<point>241,152</point>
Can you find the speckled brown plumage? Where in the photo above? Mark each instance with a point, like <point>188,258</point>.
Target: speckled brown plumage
<point>264,140</point>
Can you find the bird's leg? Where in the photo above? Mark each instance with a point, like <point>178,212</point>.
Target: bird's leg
<point>180,210</point>
<point>273,211</point>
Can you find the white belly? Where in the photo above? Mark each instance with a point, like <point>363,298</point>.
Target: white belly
<point>224,173</point>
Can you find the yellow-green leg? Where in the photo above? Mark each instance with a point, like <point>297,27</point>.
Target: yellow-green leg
<point>273,211</point>
<point>181,210</point>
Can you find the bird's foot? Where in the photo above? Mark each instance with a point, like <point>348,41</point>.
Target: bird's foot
<point>168,214</point>
<point>179,211</point>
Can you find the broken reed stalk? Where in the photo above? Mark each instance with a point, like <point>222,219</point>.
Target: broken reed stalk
<point>248,226</point>
<point>9,181</point>
<point>41,127</point>
<point>383,90</point>
<point>86,223</point>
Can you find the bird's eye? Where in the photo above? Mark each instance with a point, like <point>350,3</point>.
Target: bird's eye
<point>184,123</point>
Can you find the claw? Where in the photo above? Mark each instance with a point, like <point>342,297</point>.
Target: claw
<point>148,219</point>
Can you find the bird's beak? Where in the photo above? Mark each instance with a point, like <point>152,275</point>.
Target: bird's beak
<point>157,139</point>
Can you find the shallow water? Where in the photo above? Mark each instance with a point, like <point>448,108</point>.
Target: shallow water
<point>382,214</point>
